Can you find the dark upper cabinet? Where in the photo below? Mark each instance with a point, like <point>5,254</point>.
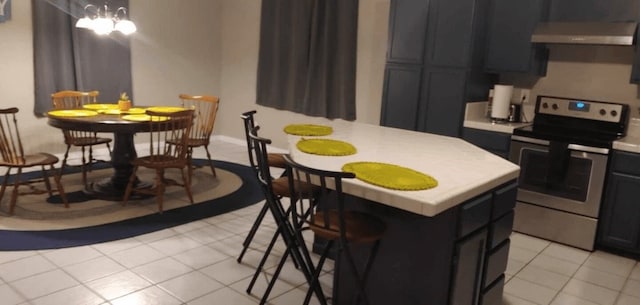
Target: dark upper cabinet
<point>434,64</point>
<point>408,25</point>
<point>619,226</point>
<point>509,47</point>
<point>449,36</point>
<point>594,10</point>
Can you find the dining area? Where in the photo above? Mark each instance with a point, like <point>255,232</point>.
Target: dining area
<point>171,133</point>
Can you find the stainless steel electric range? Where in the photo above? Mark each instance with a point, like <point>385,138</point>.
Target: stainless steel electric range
<point>563,158</point>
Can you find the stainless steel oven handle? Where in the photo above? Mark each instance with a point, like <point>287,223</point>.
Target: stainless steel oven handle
<point>576,147</point>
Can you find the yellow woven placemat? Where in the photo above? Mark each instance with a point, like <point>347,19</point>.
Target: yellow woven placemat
<point>143,118</point>
<point>326,147</point>
<point>308,130</point>
<point>72,113</point>
<point>390,176</point>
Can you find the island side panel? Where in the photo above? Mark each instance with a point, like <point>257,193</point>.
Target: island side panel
<point>418,258</point>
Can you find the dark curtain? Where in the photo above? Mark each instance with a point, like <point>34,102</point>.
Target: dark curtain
<point>67,58</point>
<point>307,57</point>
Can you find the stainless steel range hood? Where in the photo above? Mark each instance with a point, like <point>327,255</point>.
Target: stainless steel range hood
<point>598,33</point>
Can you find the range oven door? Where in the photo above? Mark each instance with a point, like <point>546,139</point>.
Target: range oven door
<point>569,178</point>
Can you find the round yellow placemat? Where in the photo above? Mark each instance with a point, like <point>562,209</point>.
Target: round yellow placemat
<point>390,176</point>
<point>166,108</point>
<point>326,147</point>
<point>72,113</point>
<point>143,118</point>
<point>130,111</point>
<point>100,107</point>
<point>308,130</point>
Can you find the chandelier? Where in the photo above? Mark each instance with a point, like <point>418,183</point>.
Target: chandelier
<point>102,20</point>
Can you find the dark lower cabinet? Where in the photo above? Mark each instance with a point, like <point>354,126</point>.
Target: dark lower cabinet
<point>495,142</point>
<point>468,269</point>
<point>402,85</point>
<point>619,226</point>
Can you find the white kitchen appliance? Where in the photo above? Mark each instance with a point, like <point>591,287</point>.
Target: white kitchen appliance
<point>563,158</point>
<point>501,103</point>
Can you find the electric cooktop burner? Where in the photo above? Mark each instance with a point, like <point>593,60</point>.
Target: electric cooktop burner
<point>575,121</point>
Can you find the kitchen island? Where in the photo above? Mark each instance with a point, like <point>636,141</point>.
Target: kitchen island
<point>445,245</point>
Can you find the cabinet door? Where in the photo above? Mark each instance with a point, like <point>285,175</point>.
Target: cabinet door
<point>620,221</point>
<point>407,31</point>
<point>595,10</point>
<point>400,97</point>
<point>509,47</point>
<point>442,101</point>
<point>449,38</point>
<point>495,142</point>
<point>468,269</point>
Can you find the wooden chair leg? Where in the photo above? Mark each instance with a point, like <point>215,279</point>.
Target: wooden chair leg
<point>213,170</point>
<point>160,189</point>
<point>14,193</point>
<point>63,195</point>
<point>187,185</point>
<point>5,182</point>
<point>129,188</point>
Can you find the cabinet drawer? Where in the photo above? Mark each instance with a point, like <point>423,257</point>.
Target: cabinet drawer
<point>496,263</point>
<point>493,294</point>
<point>625,162</point>
<point>474,214</point>
<point>500,230</point>
<point>504,200</point>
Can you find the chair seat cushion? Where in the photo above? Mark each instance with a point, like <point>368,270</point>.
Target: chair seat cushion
<point>159,162</point>
<point>33,160</point>
<point>276,160</point>
<point>361,227</point>
<point>86,141</point>
<point>280,187</point>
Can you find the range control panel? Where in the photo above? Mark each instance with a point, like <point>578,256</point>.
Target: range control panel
<point>599,111</point>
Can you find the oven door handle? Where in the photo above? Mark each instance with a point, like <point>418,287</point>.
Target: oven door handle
<point>576,147</point>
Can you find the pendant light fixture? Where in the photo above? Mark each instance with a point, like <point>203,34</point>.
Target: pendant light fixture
<point>102,20</point>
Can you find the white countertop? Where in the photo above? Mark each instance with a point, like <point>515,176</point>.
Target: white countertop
<point>462,170</point>
<point>474,117</point>
<point>631,142</point>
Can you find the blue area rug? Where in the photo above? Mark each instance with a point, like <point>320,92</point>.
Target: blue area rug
<point>249,193</point>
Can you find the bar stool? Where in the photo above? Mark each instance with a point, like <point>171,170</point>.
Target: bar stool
<point>280,186</point>
<point>285,229</point>
<point>326,216</point>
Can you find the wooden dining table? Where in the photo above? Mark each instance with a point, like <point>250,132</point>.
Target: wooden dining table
<point>123,153</point>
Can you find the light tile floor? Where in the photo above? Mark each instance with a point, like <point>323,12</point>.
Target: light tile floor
<point>196,264</point>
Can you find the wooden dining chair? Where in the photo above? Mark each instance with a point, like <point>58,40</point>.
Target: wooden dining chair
<point>75,100</point>
<point>163,154</point>
<point>205,109</point>
<point>13,156</point>
<point>326,215</point>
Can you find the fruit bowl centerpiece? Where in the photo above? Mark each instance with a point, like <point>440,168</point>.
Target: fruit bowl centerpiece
<point>123,102</point>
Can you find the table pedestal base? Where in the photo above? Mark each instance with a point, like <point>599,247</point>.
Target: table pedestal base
<point>106,189</point>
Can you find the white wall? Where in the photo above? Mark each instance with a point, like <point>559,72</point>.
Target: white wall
<point>191,46</point>
<point>598,73</point>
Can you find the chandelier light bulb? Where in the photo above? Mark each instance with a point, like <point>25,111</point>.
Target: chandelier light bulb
<point>103,26</point>
<point>103,21</point>
<point>84,23</point>
<point>125,27</point>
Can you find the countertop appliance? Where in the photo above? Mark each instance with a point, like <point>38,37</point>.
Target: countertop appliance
<point>563,160</point>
